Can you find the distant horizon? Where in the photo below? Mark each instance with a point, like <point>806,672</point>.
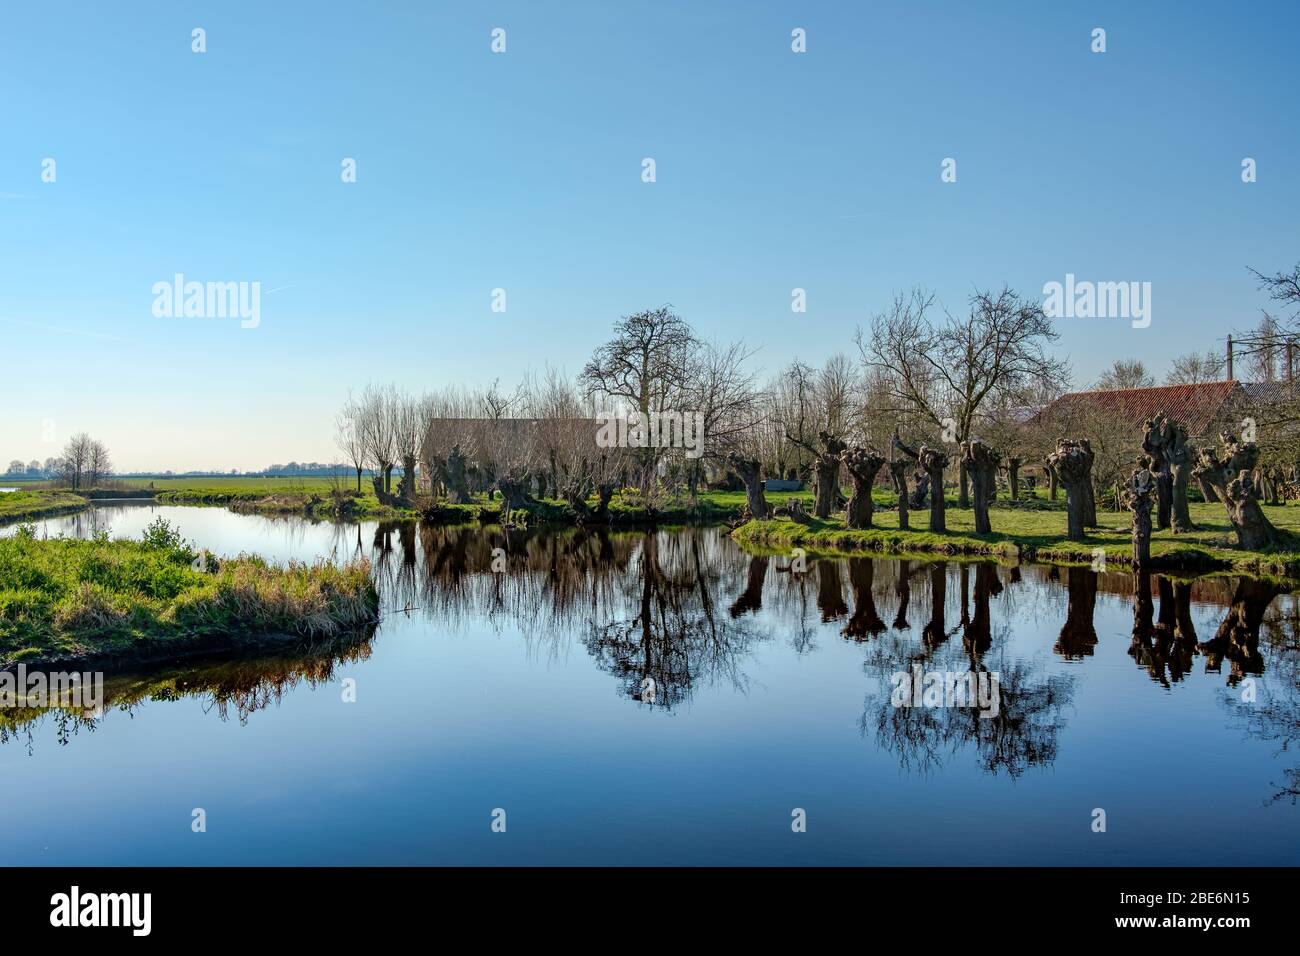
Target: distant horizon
<point>346,468</point>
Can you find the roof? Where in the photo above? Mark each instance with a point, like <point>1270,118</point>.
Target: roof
<point>1268,393</point>
<point>1197,407</point>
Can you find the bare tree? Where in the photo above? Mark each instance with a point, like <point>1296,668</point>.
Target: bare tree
<point>1125,373</point>
<point>1195,368</point>
<point>348,437</point>
<point>377,426</point>
<point>565,432</point>
<point>723,393</point>
<point>837,396</point>
<point>648,365</point>
<point>1283,287</point>
<point>1264,349</point>
<point>792,399</point>
<point>98,463</point>
<point>946,372</point>
<point>74,460</point>
<point>408,434</point>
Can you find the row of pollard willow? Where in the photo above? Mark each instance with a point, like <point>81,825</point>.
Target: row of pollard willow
<point>1163,471</point>
<point>863,465</point>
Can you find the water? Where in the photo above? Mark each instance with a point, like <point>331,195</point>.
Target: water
<point>522,691</point>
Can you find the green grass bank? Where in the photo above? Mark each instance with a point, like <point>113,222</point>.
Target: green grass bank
<point>1037,532</point>
<point>28,505</point>
<point>71,601</point>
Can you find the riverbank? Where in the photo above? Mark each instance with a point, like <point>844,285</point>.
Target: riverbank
<point>312,504</point>
<point>625,509</point>
<point>18,506</point>
<point>84,602</point>
<point>1038,534</point>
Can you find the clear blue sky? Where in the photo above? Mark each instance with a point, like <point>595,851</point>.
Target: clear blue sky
<point>522,171</point>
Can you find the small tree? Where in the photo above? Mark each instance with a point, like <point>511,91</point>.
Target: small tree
<point>1195,368</point>
<point>1125,373</point>
<point>1072,461</point>
<point>981,463</point>
<point>74,461</point>
<point>863,465</point>
<point>348,438</point>
<point>98,463</point>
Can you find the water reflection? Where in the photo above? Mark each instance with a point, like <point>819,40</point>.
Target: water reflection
<point>668,614</point>
<point>237,687</point>
<point>1078,634</point>
<point>1020,732</point>
<point>1271,712</point>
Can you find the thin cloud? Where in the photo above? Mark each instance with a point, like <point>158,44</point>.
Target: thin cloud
<point>64,331</point>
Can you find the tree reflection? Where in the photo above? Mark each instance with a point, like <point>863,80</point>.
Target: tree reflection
<point>1079,634</point>
<point>903,589</point>
<point>667,614</point>
<point>238,687</point>
<point>751,599</point>
<point>675,640</point>
<point>830,591</point>
<point>935,633</point>
<point>864,622</point>
<point>1271,711</point>
<point>977,631</point>
<point>1237,639</point>
<point>1020,733</point>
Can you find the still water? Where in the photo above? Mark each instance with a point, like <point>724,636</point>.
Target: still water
<point>524,690</point>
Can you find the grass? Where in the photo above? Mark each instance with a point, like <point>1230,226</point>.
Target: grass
<point>235,483</point>
<point>1038,532</point>
<point>64,600</point>
<point>24,505</point>
<point>316,497</point>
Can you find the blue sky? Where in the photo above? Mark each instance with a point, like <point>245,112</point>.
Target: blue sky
<point>522,171</point>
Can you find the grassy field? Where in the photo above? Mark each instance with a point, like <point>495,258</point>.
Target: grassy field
<point>1038,532</point>
<point>25,505</point>
<point>309,496</point>
<point>234,484</point>
<point>65,600</point>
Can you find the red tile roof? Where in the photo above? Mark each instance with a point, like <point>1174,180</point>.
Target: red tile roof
<point>1196,406</point>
